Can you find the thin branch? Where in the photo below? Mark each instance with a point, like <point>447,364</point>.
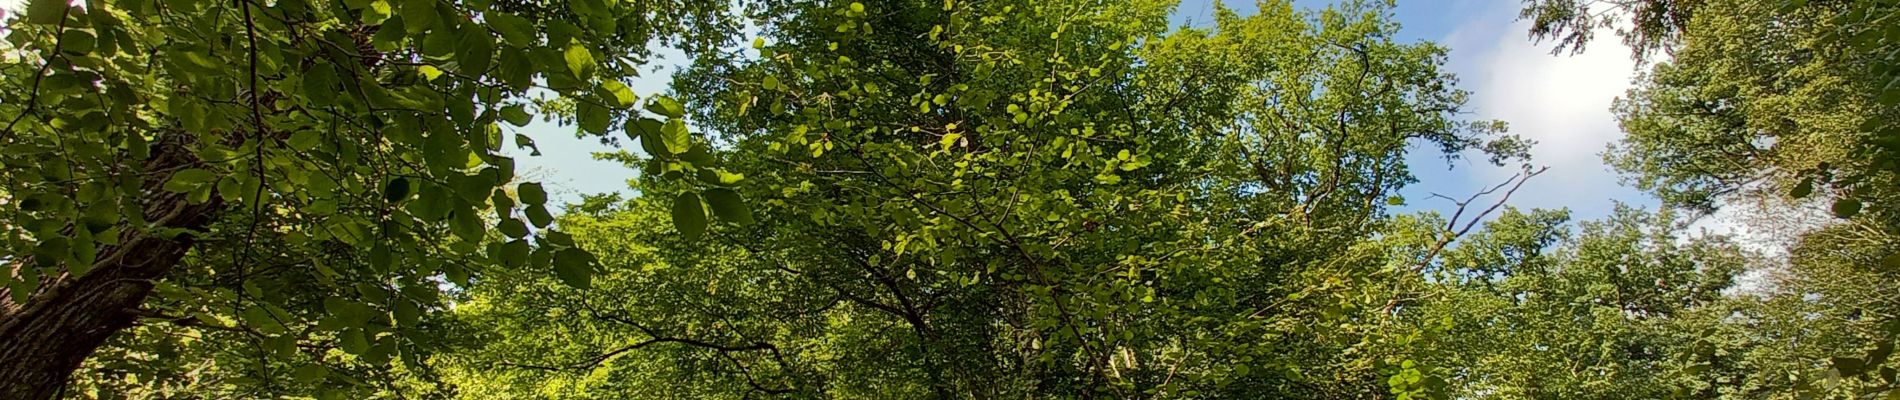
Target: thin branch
<point>33,97</point>
<point>1515,182</point>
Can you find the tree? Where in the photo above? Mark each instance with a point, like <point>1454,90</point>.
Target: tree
<point>1629,307</point>
<point>1646,26</point>
<point>915,199</point>
<point>1002,199</point>
<point>1623,307</point>
<point>1747,80</point>
<point>1727,114</point>
<point>665,317</point>
<point>301,176</point>
<point>1782,103</point>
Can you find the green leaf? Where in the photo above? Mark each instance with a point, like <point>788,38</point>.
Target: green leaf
<point>557,238</point>
<point>319,84</point>
<point>353,342</point>
<point>1880,353</point>
<point>46,12</point>
<point>189,113</point>
<point>309,373</point>
<point>666,106</point>
<point>575,267</point>
<point>688,216</point>
<point>516,114</point>
<point>531,193</point>
<point>619,93</point>
<point>188,179</point>
<point>397,190</point>
<point>728,206</point>
<point>647,130</point>
<point>580,61</point>
<point>476,54</point>
<point>514,228</point>
<point>770,83</point>
<point>585,9</point>
<point>1803,189</point>
<point>418,15</point>
<point>380,256</point>
<point>593,118</point>
<point>467,225</point>
<point>1846,208</point>
<point>75,41</point>
<point>407,313</point>
<point>515,68</point>
<point>514,253</point>
<point>430,72</point>
<point>538,215</point>
<point>674,136</point>
<point>515,30</point>
<point>390,35</point>
<point>697,154</point>
<point>431,204</point>
<point>1849,366</point>
<point>717,176</point>
<point>304,140</point>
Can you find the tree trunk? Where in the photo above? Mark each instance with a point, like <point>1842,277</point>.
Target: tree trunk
<point>45,338</point>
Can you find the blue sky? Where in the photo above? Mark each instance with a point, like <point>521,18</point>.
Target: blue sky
<point>1560,101</point>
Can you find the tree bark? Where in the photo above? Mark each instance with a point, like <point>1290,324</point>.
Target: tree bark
<point>45,338</point>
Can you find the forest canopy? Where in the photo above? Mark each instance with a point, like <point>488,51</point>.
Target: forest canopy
<point>320,199</point>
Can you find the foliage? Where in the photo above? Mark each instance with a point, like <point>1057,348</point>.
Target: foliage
<point>294,183</point>
<point>1009,199</point>
<point>1616,309</point>
<point>1627,308</point>
<point>918,199</point>
<point>1646,26</point>
<point>1781,103</point>
<point>1729,114</point>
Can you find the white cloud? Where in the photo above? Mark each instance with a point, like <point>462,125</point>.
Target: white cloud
<point>1560,101</point>
<point>1563,102</point>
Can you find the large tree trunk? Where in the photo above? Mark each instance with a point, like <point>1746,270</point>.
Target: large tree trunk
<point>45,338</point>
